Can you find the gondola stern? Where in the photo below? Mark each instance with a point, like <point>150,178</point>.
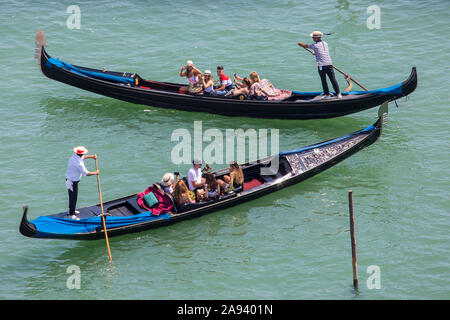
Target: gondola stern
<point>40,42</point>
<point>26,228</point>
<point>410,84</point>
<point>382,118</point>
<point>39,52</point>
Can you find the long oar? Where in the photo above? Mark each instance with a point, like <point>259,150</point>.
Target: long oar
<point>103,214</point>
<point>345,74</point>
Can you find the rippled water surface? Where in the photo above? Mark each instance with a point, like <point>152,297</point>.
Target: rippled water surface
<point>292,244</point>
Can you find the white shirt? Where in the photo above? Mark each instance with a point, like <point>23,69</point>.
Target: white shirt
<point>168,189</point>
<point>76,168</point>
<point>194,175</point>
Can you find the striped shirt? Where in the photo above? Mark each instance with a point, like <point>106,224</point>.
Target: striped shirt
<point>321,52</point>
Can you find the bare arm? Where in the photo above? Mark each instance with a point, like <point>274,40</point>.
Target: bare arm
<point>183,71</point>
<point>197,72</point>
<point>207,84</point>
<point>92,173</point>
<point>90,156</point>
<point>197,184</point>
<point>232,177</point>
<point>238,84</point>
<point>222,87</point>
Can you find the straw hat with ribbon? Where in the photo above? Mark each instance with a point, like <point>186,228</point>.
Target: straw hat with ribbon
<point>316,34</point>
<point>80,150</point>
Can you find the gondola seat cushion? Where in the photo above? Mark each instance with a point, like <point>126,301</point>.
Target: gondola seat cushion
<point>150,199</point>
<point>164,203</point>
<point>252,184</point>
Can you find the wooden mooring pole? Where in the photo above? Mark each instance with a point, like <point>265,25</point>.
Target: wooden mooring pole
<point>353,240</point>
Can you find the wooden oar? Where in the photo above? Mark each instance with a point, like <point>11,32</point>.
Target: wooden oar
<point>345,74</point>
<point>103,214</point>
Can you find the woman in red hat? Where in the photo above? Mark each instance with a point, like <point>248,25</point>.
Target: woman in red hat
<point>75,170</point>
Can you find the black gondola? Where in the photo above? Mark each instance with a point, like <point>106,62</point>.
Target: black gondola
<point>127,216</point>
<point>132,88</point>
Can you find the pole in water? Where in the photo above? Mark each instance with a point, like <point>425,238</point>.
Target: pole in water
<point>353,240</point>
<point>103,214</point>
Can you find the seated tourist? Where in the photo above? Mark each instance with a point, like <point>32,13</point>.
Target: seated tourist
<point>182,195</point>
<point>195,180</point>
<point>225,82</point>
<point>212,187</point>
<point>235,179</point>
<point>264,90</point>
<point>168,182</point>
<point>193,75</point>
<point>208,83</point>
<point>242,87</point>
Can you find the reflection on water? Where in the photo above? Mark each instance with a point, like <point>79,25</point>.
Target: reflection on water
<point>102,112</point>
<point>348,11</point>
<point>92,261</point>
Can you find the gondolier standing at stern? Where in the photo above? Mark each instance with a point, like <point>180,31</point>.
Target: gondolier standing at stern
<point>324,64</point>
<point>75,170</point>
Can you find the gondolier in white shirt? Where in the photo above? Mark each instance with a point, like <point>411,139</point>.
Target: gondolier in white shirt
<point>75,170</point>
<point>324,63</point>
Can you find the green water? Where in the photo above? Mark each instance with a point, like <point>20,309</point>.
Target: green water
<point>292,244</point>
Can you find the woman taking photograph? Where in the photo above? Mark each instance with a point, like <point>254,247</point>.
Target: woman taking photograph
<point>193,75</point>
<point>241,88</point>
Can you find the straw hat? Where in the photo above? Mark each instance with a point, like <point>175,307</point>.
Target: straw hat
<point>197,161</point>
<point>316,34</point>
<point>80,150</point>
<point>167,179</point>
